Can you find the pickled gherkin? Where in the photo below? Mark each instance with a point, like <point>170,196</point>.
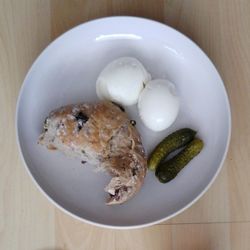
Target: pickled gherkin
<point>172,142</point>
<point>168,170</point>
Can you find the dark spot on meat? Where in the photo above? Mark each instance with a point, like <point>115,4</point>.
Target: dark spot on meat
<point>119,106</point>
<point>83,151</point>
<point>46,121</point>
<point>46,124</point>
<point>116,195</point>
<point>134,171</point>
<point>81,119</point>
<point>83,162</point>
<point>133,122</point>
<point>79,127</point>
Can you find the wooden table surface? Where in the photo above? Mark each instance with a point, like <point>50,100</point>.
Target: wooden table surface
<point>219,220</point>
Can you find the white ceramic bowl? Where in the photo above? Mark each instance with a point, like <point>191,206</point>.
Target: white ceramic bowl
<point>66,72</point>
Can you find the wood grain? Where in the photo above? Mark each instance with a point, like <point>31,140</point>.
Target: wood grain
<point>221,29</point>
<point>219,220</point>
<point>26,217</point>
<point>202,236</point>
<point>66,14</point>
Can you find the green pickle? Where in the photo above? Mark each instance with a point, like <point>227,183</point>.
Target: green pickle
<point>168,170</point>
<point>172,142</point>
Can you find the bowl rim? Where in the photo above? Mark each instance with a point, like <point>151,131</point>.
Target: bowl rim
<point>110,226</point>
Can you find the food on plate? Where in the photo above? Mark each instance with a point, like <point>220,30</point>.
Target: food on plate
<point>168,170</point>
<point>103,135</point>
<point>122,80</point>
<point>158,104</point>
<point>172,142</point>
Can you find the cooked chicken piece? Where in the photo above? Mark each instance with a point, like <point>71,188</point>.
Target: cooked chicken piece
<point>103,135</point>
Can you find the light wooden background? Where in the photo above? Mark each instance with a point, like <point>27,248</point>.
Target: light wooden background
<point>219,220</point>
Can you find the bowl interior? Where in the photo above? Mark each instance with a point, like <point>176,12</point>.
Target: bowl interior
<point>66,72</point>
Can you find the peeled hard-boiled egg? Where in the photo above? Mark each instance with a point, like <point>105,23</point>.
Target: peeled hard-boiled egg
<point>158,104</point>
<point>122,80</point>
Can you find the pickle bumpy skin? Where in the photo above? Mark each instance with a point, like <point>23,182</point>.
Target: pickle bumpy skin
<point>168,170</point>
<point>172,142</point>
